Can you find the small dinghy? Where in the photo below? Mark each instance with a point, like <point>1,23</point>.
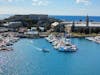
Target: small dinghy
<point>45,50</point>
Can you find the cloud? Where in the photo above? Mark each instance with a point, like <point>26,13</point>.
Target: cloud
<point>10,0</point>
<point>6,0</point>
<point>40,2</point>
<point>86,2</point>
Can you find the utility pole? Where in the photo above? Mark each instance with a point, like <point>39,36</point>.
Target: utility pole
<point>87,24</point>
<point>87,21</point>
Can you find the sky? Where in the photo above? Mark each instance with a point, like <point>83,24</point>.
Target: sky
<point>51,7</point>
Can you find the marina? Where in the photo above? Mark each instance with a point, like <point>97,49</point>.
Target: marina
<point>62,44</point>
<point>6,41</point>
<point>29,59</point>
<point>49,37</point>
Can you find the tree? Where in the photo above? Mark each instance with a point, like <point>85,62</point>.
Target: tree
<point>73,27</point>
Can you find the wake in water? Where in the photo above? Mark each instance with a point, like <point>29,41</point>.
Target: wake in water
<point>40,49</point>
<point>31,41</point>
<point>37,48</point>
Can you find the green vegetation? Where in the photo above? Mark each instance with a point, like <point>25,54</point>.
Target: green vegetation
<point>30,23</point>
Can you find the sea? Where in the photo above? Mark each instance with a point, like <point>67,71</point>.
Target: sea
<point>64,18</point>
<point>76,18</point>
<point>28,59</point>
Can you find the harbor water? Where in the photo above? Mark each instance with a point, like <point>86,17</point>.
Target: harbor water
<point>28,59</point>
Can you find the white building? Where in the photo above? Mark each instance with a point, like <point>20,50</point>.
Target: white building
<point>79,26</point>
<point>3,29</point>
<point>13,24</point>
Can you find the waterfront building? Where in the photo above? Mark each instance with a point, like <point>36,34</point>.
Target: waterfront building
<point>58,27</point>
<point>82,26</point>
<point>13,26</point>
<point>94,27</point>
<point>30,33</point>
<point>42,29</point>
<point>3,29</point>
<point>16,24</point>
<point>22,29</point>
<point>54,24</point>
<point>33,28</point>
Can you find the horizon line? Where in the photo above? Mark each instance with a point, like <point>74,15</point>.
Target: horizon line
<point>50,14</point>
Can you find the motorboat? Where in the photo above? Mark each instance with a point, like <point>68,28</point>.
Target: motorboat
<point>55,43</point>
<point>61,44</point>
<point>67,49</point>
<point>45,50</point>
<point>6,48</point>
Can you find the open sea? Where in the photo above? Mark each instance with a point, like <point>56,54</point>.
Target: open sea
<point>77,18</point>
<point>28,59</point>
<point>64,18</point>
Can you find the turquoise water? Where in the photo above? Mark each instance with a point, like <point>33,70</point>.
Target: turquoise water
<point>28,59</point>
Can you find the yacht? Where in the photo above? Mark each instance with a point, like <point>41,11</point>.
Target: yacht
<point>61,44</point>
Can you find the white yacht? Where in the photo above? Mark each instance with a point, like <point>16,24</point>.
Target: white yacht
<point>61,44</point>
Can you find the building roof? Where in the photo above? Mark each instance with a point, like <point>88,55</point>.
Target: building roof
<point>2,29</point>
<point>55,24</point>
<point>10,23</point>
<point>41,28</point>
<point>32,32</point>
<point>33,28</point>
